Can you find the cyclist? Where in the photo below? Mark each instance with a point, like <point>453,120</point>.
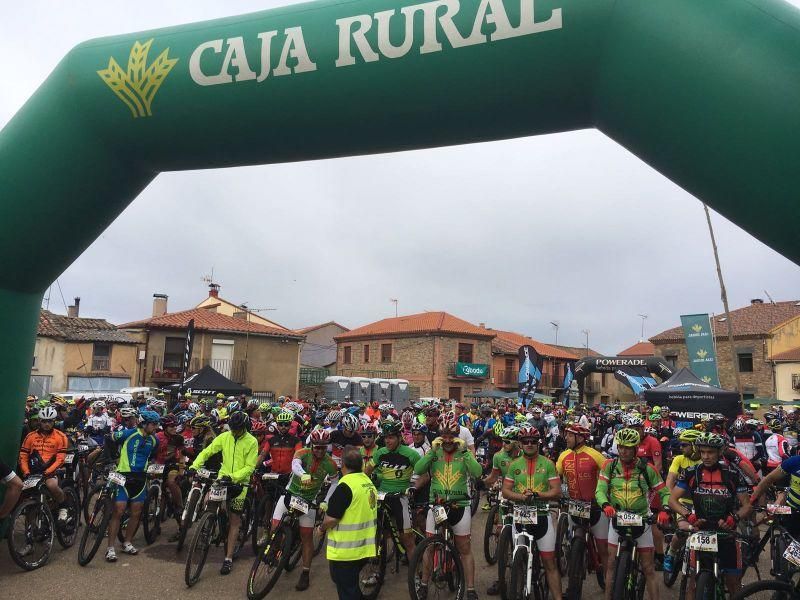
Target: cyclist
<point>280,446</point>
<point>777,447</point>
<point>625,484</point>
<point>715,491</point>
<point>170,453</point>
<point>368,434</point>
<point>310,466</point>
<point>500,461</point>
<point>347,435</point>
<point>580,466</point>
<point>450,464</point>
<point>689,457</point>
<point>13,489</point>
<point>202,437</point>
<point>789,468</point>
<point>43,452</point>
<point>139,445</point>
<point>392,466</point>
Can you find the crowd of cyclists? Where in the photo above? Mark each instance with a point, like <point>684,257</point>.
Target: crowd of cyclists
<point>631,477</point>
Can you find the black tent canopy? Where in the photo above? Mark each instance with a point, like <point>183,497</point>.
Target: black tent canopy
<point>208,382</point>
<point>689,398</point>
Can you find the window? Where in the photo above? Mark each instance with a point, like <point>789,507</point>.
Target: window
<point>348,355</point>
<point>672,360</point>
<point>173,352</point>
<point>454,393</point>
<point>101,357</point>
<point>746,397</point>
<point>745,362</point>
<point>465,353</point>
<point>796,381</point>
<point>603,379</point>
<point>386,353</point>
<point>366,353</point>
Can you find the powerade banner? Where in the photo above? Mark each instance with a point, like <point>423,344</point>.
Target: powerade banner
<point>700,347</point>
<point>529,373</point>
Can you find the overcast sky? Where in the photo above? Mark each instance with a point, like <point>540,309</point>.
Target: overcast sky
<point>569,227</point>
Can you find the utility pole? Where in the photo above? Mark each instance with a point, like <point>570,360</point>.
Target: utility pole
<point>555,326</point>
<point>394,301</point>
<point>724,296</point>
<point>643,318</point>
<point>586,333</point>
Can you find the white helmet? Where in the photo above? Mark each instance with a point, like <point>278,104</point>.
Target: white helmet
<point>194,407</point>
<point>126,412</point>
<point>98,404</point>
<point>47,413</point>
<point>350,422</point>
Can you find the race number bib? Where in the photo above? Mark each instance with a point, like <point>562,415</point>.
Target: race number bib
<point>792,553</point>
<point>779,509</point>
<point>439,515</point>
<point>68,459</point>
<point>628,519</point>
<point>581,510</point>
<point>31,482</point>
<point>218,494</point>
<point>298,504</point>
<point>83,447</point>
<point>117,478</point>
<point>525,515</point>
<point>703,541</point>
<point>268,476</point>
<point>155,469</point>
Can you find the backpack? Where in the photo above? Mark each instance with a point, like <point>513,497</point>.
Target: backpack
<point>641,463</point>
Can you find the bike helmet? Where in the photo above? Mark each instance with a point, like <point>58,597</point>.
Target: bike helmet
<point>294,407</point>
<point>690,436</point>
<point>258,427</point>
<point>335,416</point>
<point>238,421</point>
<point>284,417</point>
<point>126,412</point>
<point>627,438</point>
<point>215,415</point>
<point>677,432</point>
<point>201,421</point>
<point>320,437</point>
<point>739,426</point>
<point>753,422</point>
<point>194,407</point>
<point>635,420</point>
<point>510,434</point>
<point>350,422</point>
<point>169,421</point>
<point>536,412</point>
<point>418,427</point>
<point>407,418</point>
<point>710,440</point>
<point>187,395</point>
<point>253,402</point>
<point>97,404</point>
<point>390,428</point>
<point>149,416</point>
<point>370,429</point>
<point>650,431</point>
<point>448,423</point>
<point>577,429</point>
<point>233,407</point>
<point>220,396</point>
<point>386,407</point>
<point>264,407</point>
<point>527,432</point>
<point>775,425</point>
<point>498,428</point>
<point>48,413</point>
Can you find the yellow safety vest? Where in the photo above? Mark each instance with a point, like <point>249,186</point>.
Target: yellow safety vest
<point>353,538</point>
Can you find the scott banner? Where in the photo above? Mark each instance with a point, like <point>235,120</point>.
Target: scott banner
<point>529,373</point>
<point>700,347</point>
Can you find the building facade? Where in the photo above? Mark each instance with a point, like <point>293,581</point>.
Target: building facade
<point>505,362</point>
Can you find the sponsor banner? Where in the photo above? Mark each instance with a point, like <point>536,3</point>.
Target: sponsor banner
<point>700,347</point>
<point>529,373</point>
<point>187,356</point>
<point>471,370</point>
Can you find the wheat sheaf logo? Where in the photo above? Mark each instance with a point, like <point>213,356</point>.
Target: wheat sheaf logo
<point>697,328</point>
<point>137,86</point>
<point>702,353</point>
<point>706,378</point>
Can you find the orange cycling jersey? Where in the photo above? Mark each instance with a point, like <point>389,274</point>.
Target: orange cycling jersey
<point>581,469</point>
<point>49,447</point>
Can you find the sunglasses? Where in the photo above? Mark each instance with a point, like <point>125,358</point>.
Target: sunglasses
<point>682,444</point>
<point>319,447</point>
<point>367,435</point>
<point>530,442</point>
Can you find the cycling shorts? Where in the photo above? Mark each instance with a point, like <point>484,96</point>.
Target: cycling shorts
<point>729,556</point>
<point>6,473</point>
<point>599,524</point>
<point>134,490</point>
<point>306,520</point>
<point>398,507</point>
<point>644,541</point>
<point>460,520</point>
<point>545,534</point>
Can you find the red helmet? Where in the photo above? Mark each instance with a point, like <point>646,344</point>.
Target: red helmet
<point>169,421</point>
<point>258,427</point>
<point>320,437</point>
<point>370,429</point>
<point>526,431</point>
<point>449,422</point>
<point>578,429</point>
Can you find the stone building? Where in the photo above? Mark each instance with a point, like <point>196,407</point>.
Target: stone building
<point>440,355</point>
<point>760,330</point>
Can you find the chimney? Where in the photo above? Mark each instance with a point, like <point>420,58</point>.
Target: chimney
<point>213,290</point>
<point>482,325</point>
<point>159,304</point>
<point>75,309</point>
<point>240,314</point>
<point>753,301</point>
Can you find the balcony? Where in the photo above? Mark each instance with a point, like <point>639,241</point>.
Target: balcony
<point>471,371</point>
<point>101,363</point>
<point>169,369</point>
<point>506,379</point>
<point>371,374</point>
<point>312,376</point>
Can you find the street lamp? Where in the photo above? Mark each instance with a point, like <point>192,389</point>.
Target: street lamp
<point>643,318</point>
<point>555,326</point>
<point>586,333</point>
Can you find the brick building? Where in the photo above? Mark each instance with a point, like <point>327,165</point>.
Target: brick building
<point>440,355</point>
<point>756,328</point>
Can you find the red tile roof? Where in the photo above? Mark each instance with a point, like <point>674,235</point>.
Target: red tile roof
<point>639,349</point>
<point>579,351</point>
<point>792,355</point>
<point>80,329</point>
<point>209,321</point>
<point>508,342</point>
<point>422,323</point>
<point>749,321</point>
<point>320,326</point>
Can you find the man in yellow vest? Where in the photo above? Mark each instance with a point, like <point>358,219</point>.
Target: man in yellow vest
<point>351,522</point>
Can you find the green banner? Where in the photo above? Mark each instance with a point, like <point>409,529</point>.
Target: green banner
<point>700,347</point>
<point>471,370</point>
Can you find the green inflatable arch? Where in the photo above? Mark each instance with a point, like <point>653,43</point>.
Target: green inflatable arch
<point>706,92</point>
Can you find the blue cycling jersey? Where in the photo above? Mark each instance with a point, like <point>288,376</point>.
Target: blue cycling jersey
<point>792,467</point>
<point>137,448</point>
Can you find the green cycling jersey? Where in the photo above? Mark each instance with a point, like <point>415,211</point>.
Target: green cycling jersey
<point>628,487</point>
<point>393,470</point>
<point>317,469</point>
<point>449,473</point>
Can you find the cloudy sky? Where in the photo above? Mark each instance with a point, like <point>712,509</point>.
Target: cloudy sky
<point>507,233</point>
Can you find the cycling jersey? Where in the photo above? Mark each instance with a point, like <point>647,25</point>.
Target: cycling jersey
<point>791,466</point>
<point>500,462</point>
<point>47,449</point>
<point>777,450</point>
<point>339,440</point>
<point>581,468</point>
<point>308,464</point>
<point>713,490</point>
<point>626,487</point>
<point>535,475</point>
<point>137,448</point>
<point>239,456</point>
<point>170,448</point>
<point>734,459</point>
<point>749,443</point>
<point>450,472</point>
<point>366,453</point>
<point>681,463</point>
<point>281,449</point>
<point>393,470</point>
<point>649,449</point>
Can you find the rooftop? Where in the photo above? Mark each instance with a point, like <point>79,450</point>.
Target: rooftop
<point>80,329</point>
<point>755,319</point>
<point>508,342</point>
<point>419,324</point>
<point>579,351</point>
<point>792,355</point>
<point>639,349</point>
<point>305,330</point>
<point>206,320</point>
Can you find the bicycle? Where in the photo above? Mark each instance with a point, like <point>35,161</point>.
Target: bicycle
<point>709,585</point>
<point>156,506</point>
<point>436,558</point>
<point>582,556</point>
<point>97,523</point>
<point>212,528</point>
<point>505,550</point>
<point>373,573</point>
<point>527,571</point>
<point>273,485</point>
<point>562,531</point>
<point>491,531</point>
<point>629,580</point>
<point>192,508</point>
<point>670,577</point>
<point>280,549</point>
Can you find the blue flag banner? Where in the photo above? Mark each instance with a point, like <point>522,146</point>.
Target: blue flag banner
<point>569,376</point>
<point>700,347</point>
<point>529,373</point>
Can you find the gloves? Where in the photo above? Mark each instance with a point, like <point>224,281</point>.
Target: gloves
<point>436,443</point>
<point>225,479</point>
<point>663,518</point>
<point>692,518</point>
<point>727,523</point>
<point>305,479</point>
<point>323,506</point>
<point>609,511</point>
<point>191,472</point>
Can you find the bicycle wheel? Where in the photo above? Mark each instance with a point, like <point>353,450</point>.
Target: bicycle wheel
<point>683,587</point>
<point>576,566</point>
<point>491,535</point>
<point>188,516</point>
<point>705,586</point>
<point>677,564</point>
<point>780,566</point>
<point>205,532</point>
<point>269,563</point>
<point>772,590</point>
<point>151,518</point>
<point>244,527</point>
<point>67,531</point>
<point>295,554</point>
<point>30,535</point>
<point>95,531</point>
<point>446,576</point>
<point>621,571</point>
<point>318,540</point>
<point>562,543</point>
<point>89,500</point>
<point>505,554</point>
<point>519,574</point>
<point>373,572</point>
<point>262,522</point>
